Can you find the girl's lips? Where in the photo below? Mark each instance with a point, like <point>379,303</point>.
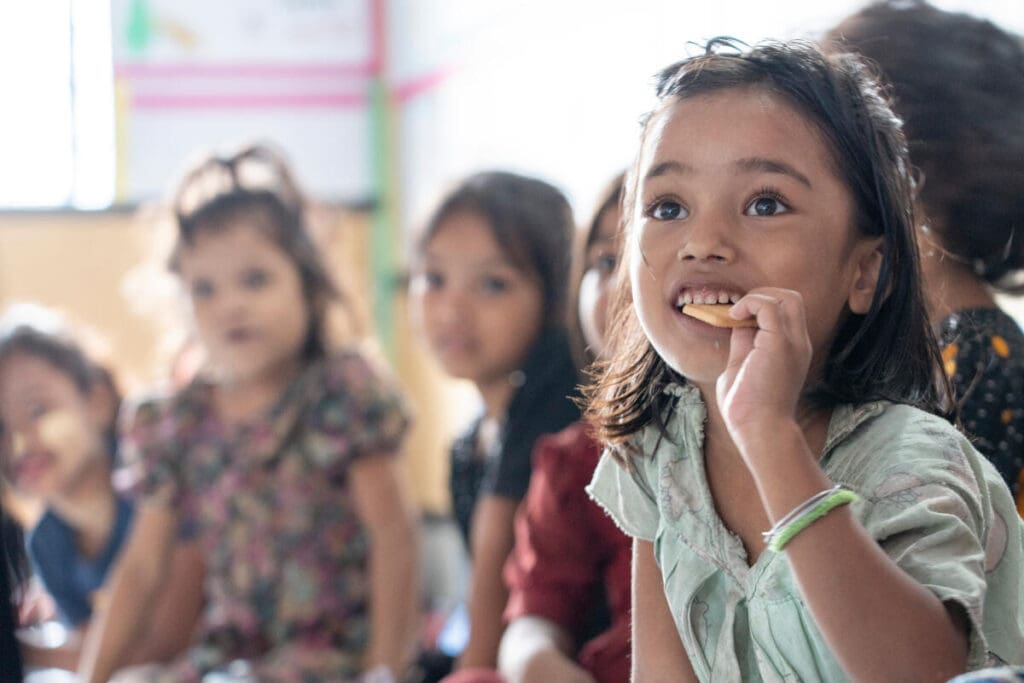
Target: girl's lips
<point>456,345</point>
<point>707,294</point>
<point>240,335</point>
<point>31,467</point>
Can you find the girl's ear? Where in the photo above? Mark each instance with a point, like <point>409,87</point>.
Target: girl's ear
<point>868,255</point>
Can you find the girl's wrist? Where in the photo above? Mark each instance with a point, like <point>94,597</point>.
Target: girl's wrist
<point>762,442</point>
<point>782,466</point>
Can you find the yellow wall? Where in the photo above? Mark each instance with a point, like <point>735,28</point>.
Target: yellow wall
<point>78,263</point>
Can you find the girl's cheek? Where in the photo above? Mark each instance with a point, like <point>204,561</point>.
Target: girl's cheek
<point>591,304</point>
<point>64,433</point>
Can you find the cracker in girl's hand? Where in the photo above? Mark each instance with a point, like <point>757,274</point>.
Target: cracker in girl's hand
<point>716,315</point>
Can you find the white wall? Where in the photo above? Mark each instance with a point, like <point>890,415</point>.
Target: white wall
<point>555,87</point>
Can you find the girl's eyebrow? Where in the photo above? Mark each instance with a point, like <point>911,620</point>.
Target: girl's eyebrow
<point>489,262</point>
<point>762,165</point>
<point>666,167</point>
<point>751,165</point>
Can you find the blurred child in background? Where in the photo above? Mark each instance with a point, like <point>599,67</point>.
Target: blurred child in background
<point>568,574</point>
<point>58,414</point>
<point>961,108</point>
<point>281,453</point>
<point>489,291</point>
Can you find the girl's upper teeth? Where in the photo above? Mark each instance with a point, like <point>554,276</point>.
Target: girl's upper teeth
<point>706,297</point>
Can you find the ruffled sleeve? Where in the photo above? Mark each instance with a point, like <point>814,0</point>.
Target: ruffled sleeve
<point>627,495</point>
<point>152,461</point>
<point>356,410</point>
<point>940,512</point>
<point>629,492</point>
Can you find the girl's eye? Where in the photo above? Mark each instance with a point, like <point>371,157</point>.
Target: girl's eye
<point>605,264</point>
<point>493,285</point>
<point>255,278</point>
<point>38,411</point>
<point>668,210</point>
<point>766,205</point>
<point>432,279</point>
<point>202,289</point>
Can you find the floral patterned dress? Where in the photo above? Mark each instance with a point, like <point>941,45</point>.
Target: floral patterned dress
<point>286,589</point>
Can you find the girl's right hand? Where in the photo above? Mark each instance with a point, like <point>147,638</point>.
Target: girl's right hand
<point>767,367</point>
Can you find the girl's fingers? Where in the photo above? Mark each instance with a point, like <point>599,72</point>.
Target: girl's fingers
<point>764,308</point>
<point>741,343</point>
<point>776,310</point>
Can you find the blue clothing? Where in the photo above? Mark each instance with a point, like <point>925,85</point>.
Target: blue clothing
<point>67,576</point>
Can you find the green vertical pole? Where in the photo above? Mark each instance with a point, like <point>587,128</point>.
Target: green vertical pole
<point>382,242</point>
<point>383,257</point>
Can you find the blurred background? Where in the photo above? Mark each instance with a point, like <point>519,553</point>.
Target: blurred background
<point>381,105</point>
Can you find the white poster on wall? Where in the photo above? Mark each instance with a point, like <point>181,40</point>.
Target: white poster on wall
<point>194,74</point>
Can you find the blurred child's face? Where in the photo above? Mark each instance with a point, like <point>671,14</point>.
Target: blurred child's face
<point>480,313</point>
<point>52,432</point>
<point>736,191</point>
<point>596,285</point>
<point>247,300</point>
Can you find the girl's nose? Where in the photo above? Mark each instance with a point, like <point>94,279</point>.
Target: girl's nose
<point>707,239</point>
<point>455,306</point>
<point>231,302</point>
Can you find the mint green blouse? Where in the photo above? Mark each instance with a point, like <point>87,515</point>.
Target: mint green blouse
<point>935,506</point>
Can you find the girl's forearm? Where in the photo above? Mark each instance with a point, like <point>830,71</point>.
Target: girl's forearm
<point>880,623</point>
<point>658,653</point>
<point>487,599</point>
<point>383,506</point>
<point>394,597</point>
<point>492,541</point>
<point>115,629</point>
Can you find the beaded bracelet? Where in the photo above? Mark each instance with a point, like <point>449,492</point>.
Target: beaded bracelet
<point>801,517</point>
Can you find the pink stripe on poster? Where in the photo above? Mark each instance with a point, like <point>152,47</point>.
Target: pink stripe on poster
<point>217,71</point>
<point>311,101</point>
<point>417,86</point>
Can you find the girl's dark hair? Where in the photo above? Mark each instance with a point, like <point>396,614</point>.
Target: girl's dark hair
<point>958,84</point>
<point>888,353</point>
<point>531,221</point>
<point>13,577</point>
<point>255,185</point>
<point>57,350</point>
<point>609,199</point>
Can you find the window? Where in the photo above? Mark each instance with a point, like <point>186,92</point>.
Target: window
<point>56,130</point>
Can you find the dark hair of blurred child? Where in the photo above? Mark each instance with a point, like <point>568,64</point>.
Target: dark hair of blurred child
<point>962,107</point>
